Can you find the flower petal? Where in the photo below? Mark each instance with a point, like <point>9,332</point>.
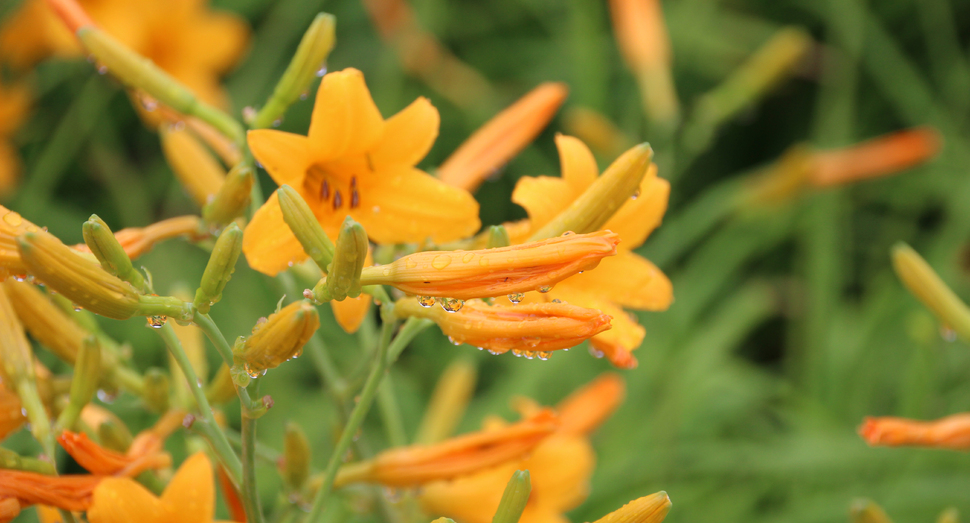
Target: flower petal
<point>218,40</point>
<point>576,162</point>
<point>191,493</point>
<point>345,120</point>
<point>543,197</point>
<point>268,243</point>
<point>637,218</point>
<point>283,155</point>
<point>629,280</point>
<point>408,135</point>
<point>618,342</point>
<point>120,500</point>
<point>350,313</point>
<point>560,467</point>
<point>407,205</point>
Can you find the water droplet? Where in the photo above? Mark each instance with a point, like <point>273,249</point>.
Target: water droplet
<point>277,122</point>
<point>529,354</point>
<point>544,355</point>
<point>386,271</point>
<point>376,208</point>
<point>483,261</point>
<point>156,322</point>
<point>557,300</point>
<point>544,288</point>
<point>78,308</point>
<point>441,261</point>
<point>147,102</point>
<point>494,352</point>
<point>13,219</point>
<point>410,263</point>
<point>425,301</point>
<point>451,304</point>
<point>102,69</point>
<point>106,397</point>
<point>453,341</point>
<point>518,352</point>
<point>322,70</point>
<point>516,297</point>
<point>253,371</point>
<point>595,353</point>
<point>948,334</point>
<point>467,257</point>
<point>304,95</point>
<point>568,233</point>
<point>636,194</point>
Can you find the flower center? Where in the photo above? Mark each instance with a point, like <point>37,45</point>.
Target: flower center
<point>330,187</point>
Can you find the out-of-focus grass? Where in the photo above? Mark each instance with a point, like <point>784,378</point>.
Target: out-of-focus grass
<point>788,325</point>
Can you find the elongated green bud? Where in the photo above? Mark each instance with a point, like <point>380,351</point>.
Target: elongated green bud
<point>343,278</point>
<point>233,197</point>
<point>923,282</point>
<point>87,372</point>
<point>296,454</point>
<point>306,228</point>
<point>866,511</point>
<point>105,247</point>
<point>219,270</point>
<point>157,387</point>
<point>306,65</point>
<point>603,198</point>
<point>498,236</point>
<point>281,337</point>
<point>114,436</point>
<point>11,460</point>
<point>514,499</point>
<point>17,371</point>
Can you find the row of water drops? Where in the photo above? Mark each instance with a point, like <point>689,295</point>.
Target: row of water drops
<point>455,305</point>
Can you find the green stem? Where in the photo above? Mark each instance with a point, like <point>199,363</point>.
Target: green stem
<point>356,418</point>
<point>249,491</point>
<point>267,454</point>
<point>37,415</point>
<point>211,330</point>
<point>210,430</point>
<point>391,414</point>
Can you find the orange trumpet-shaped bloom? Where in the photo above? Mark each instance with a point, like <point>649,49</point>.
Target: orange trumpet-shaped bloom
<point>951,432</point>
<point>879,156</point>
<point>354,163</point>
<point>494,272</point>
<point>139,240</point>
<point>532,329</point>
<point>418,464</point>
<point>502,137</point>
<point>626,280</point>
<point>29,488</point>
<point>560,466</point>
<point>188,498</point>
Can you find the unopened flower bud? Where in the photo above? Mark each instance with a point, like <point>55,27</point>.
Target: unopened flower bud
<point>310,57</point>
<point>514,498</point>
<point>448,402</point>
<point>157,387</point>
<point>222,263</point>
<point>648,509</point>
<point>221,389</point>
<point>233,197</point>
<point>591,210</point>
<point>12,225</point>
<point>281,337</point>
<point>867,511</point>
<point>114,435</point>
<point>17,371</point>
<point>296,457</point>
<point>498,236</point>
<point>45,321</point>
<point>343,278</point>
<point>923,282</point>
<point>106,248</point>
<point>196,169</point>
<point>306,228</point>
<point>87,375</point>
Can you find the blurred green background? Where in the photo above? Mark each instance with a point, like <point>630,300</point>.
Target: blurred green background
<point>788,327</point>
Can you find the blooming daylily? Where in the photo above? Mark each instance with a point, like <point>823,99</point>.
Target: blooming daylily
<point>355,163</point>
<point>14,104</point>
<point>951,432</point>
<point>188,498</point>
<point>625,280</point>
<point>560,466</point>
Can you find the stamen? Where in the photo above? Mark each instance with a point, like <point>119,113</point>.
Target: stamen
<point>325,190</point>
<point>337,200</point>
<point>354,199</point>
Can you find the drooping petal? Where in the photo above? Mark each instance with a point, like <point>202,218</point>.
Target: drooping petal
<point>268,243</point>
<point>543,197</point>
<point>345,120</point>
<point>192,492</point>
<point>637,218</point>
<point>284,155</point>
<point>629,280</point>
<point>407,205</point>
<point>577,163</point>
<point>618,342</point>
<point>408,135</point>
<point>117,499</point>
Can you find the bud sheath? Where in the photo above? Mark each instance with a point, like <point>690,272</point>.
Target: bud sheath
<point>305,227</point>
<point>106,248</point>
<point>219,270</point>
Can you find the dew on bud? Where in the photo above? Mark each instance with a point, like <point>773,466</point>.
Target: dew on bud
<point>595,353</point>
<point>544,355</point>
<point>516,297</point>
<point>425,301</point>
<point>155,322</point>
<point>451,304</point>
<point>544,288</point>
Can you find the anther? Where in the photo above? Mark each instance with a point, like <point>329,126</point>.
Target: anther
<point>337,200</point>
<point>325,190</point>
<point>354,199</point>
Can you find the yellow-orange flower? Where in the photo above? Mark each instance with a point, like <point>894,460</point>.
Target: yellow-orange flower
<point>467,454</point>
<point>12,225</point>
<point>648,509</point>
<point>494,272</point>
<point>354,163</point>
<point>72,492</point>
<point>560,466</point>
<point>530,330</point>
<point>625,280</point>
<point>951,432</point>
<point>14,105</point>
<point>188,498</point>
<point>139,240</point>
<point>879,156</point>
<point>144,453</point>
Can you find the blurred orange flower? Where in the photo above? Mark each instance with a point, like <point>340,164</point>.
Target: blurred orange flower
<point>354,163</point>
<point>951,432</point>
<point>14,105</point>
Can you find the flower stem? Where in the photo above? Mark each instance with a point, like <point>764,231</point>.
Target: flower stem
<point>210,430</point>
<point>211,330</point>
<point>250,493</point>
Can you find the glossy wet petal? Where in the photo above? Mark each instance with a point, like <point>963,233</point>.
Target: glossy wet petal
<point>543,197</point>
<point>629,280</point>
<point>345,120</point>
<point>284,155</point>
<point>408,135</point>
<point>577,163</point>
<point>268,243</point>
<point>118,500</point>
<point>192,491</point>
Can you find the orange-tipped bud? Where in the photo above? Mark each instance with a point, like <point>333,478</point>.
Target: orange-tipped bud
<point>280,338</point>
<point>71,13</point>
<point>881,156</point>
<point>587,408</point>
<point>12,225</point>
<point>648,509</point>
<point>418,464</point>
<point>494,272</point>
<point>45,321</point>
<point>951,432</point>
<point>502,137</point>
<point>67,492</point>
<point>139,240</point>
<point>533,329</point>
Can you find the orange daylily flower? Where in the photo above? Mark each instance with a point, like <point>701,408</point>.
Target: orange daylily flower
<point>462,455</point>
<point>12,225</point>
<point>14,105</point>
<point>494,272</point>
<point>354,163</point>
<point>530,330</point>
<point>951,432</point>
<point>502,137</point>
<point>137,241</point>
<point>648,509</point>
<point>879,156</point>
<point>625,280</point>
<point>11,416</point>
<point>560,466</point>
<point>144,453</point>
<point>188,498</point>
<point>72,492</point>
